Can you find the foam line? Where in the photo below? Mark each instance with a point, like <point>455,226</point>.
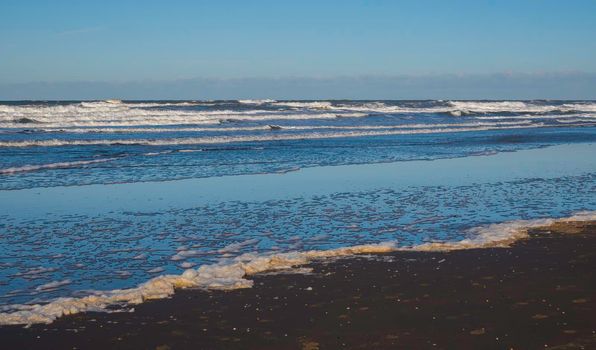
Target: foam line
<point>59,165</point>
<point>113,130</point>
<point>251,138</point>
<point>230,274</point>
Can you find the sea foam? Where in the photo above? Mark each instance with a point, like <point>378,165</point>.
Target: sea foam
<point>253,138</point>
<point>120,113</point>
<point>58,165</point>
<point>231,274</point>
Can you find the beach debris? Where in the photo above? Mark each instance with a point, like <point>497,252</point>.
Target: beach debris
<point>308,344</point>
<point>479,331</point>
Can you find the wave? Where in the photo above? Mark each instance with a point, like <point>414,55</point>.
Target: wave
<point>278,136</point>
<point>165,129</point>
<point>518,107</point>
<point>456,108</point>
<point>575,120</point>
<point>105,103</point>
<point>466,108</point>
<point>480,106</point>
<point>114,104</point>
<point>25,120</point>
<point>99,113</point>
<point>60,165</point>
<point>535,117</point>
<point>304,104</point>
<point>153,154</point>
<point>256,102</point>
<point>229,274</point>
<point>69,116</point>
<point>123,114</point>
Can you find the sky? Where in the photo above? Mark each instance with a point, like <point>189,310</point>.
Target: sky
<point>297,49</point>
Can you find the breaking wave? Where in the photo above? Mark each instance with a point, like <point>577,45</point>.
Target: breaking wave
<point>118,130</point>
<point>121,113</point>
<point>519,107</point>
<point>59,165</point>
<point>256,102</point>
<point>254,138</point>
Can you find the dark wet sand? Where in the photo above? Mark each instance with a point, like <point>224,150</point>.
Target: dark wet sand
<point>540,293</point>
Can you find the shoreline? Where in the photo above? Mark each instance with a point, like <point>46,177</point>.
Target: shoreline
<point>537,293</point>
<point>235,273</point>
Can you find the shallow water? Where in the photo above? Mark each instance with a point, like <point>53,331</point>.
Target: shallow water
<point>78,216</point>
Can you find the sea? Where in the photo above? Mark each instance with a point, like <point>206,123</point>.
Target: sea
<point>105,204</point>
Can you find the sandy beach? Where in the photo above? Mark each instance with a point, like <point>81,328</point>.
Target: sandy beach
<point>539,293</point>
<point>297,175</point>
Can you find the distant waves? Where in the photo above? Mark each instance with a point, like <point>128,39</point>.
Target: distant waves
<point>117,113</point>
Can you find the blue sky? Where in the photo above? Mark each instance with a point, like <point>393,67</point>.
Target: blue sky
<point>121,44</point>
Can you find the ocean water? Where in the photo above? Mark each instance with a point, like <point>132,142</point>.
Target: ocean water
<point>106,195</point>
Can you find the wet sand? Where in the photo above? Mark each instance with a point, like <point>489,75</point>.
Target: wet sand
<point>539,293</point>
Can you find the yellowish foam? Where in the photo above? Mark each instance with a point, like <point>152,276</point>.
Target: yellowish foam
<point>230,274</point>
